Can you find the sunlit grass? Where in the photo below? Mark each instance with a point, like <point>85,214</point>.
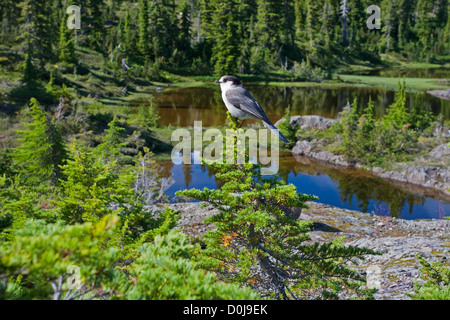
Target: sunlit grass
<point>412,84</point>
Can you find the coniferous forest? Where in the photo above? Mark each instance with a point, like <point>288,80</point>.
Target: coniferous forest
<point>246,37</point>
<point>84,212</point>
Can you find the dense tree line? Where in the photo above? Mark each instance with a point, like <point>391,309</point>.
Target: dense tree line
<point>245,36</point>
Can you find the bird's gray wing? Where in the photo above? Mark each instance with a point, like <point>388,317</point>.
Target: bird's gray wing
<point>243,100</point>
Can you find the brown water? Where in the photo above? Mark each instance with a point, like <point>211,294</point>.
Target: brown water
<point>181,107</point>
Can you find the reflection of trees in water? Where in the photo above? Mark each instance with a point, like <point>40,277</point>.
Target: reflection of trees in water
<point>165,168</point>
<point>303,101</point>
<point>187,170</point>
<point>389,198</point>
<point>192,97</point>
<point>315,101</point>
<point>366,189</point>
<point>428,102</point>
<point>206,98</point>
<point>361,185</point>
<point>182,107</point>
<point>326,102</point>
<point>413,73</point>
<point>329,102</point>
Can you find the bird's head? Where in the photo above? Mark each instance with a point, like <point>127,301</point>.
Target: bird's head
<point>229,81</point>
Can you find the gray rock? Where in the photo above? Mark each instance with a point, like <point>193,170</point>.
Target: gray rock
<point>443,94</point>
<point>426,176</point>
<point>304,148</point>
<point>309,122</point>
<point>440,152</point>
<point>395,269</point>
<point>436,177</point>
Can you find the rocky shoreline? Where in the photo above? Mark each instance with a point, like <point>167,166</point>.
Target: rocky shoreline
<point>443,94</point>
<point>399,241</point>
<point>393,272</point>
<point>429,176</point>
<point>431,172</point>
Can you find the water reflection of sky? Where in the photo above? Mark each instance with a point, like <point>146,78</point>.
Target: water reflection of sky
<point>331,191</point>
<point>334,187</point>
<point>328,192</point>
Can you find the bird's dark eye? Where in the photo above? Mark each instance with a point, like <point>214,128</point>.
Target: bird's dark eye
<point>224,80</point>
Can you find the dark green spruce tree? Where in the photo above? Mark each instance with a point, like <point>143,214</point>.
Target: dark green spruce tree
<point>96,27</point>
<point>38,29</point>
<point>222,33</point>
<point>143,25</point>
<point>30,73</point>
<point>66,49</point>
<point>127,37</point>
<point>161,15</point>
<point>426,25</point>
<point>357,23</point>
<point>312,22</point>
<point>42,150</point>
<point>269,22</point>
<point>260,242</point>
<point>183,44</point>
<point>300,17</point>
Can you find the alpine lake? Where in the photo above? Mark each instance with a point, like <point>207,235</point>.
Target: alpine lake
<point>341,187</point>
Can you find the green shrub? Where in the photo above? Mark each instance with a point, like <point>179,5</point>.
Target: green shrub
<point>287,129</point>
<point>164,271</point>
<point>376,143</point>
<point>60,262</point>
<point>305,72</point>
<point>36,263</point>
<point>437,282</point>
<point>260,243</point>
<point>148,115</point>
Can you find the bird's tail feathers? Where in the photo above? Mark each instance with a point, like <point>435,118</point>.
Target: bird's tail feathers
<point>275,131</point>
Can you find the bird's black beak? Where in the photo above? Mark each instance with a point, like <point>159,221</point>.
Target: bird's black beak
<point>218,81</point>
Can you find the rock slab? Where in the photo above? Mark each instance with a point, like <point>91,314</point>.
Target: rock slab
<point>309,122</point>
<point>399,241</point>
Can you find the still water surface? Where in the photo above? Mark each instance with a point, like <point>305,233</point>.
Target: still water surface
<point>181,107</point>
<point>351,189</point>
<point>343,188</point>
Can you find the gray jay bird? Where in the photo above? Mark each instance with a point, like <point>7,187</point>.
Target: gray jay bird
<point>242,105</point>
